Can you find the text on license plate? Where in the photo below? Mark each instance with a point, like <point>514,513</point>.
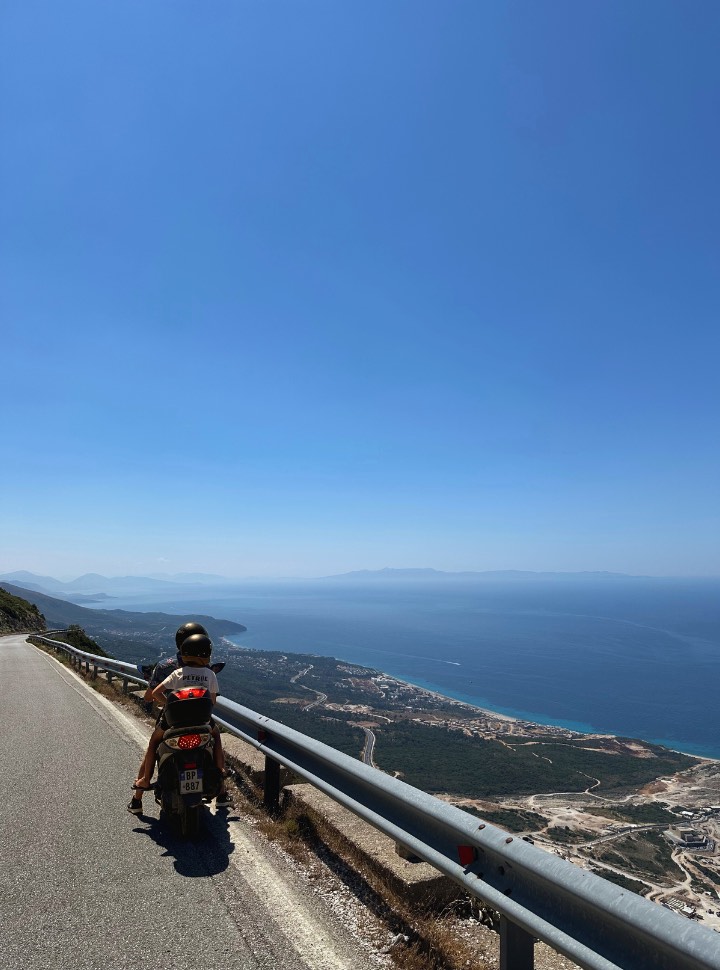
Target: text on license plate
<point>191,781</point>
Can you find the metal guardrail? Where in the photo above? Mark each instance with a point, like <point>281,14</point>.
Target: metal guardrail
<point>126,672</point>
<point>538,895</point>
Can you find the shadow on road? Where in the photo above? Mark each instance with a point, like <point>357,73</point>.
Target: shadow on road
<point>208,855</point>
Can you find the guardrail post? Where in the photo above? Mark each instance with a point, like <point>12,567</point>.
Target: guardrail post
<point>109,676</point>
<point>95,670</point>
<point>272,784</point>
<point>125,685</point>
<point>517,948</point>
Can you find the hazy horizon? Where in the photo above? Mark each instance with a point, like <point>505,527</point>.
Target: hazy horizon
<point>197,577</point>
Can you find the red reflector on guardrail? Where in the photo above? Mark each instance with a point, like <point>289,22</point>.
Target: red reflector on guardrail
<point>467,854</point>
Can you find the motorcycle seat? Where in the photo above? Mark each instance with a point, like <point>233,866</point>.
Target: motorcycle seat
<point>177,732</point>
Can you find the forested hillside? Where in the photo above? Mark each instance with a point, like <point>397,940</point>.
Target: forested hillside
<point>19,616</point>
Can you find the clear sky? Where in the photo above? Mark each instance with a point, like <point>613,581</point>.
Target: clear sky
<point>293,288</point>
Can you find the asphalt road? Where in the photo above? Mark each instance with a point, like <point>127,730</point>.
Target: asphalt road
<point>84,885</point>
<point>369,749</point>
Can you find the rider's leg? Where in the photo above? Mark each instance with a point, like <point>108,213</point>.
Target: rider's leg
<point>218,753</point>
<point>148,763</point>
<point>219,757</point>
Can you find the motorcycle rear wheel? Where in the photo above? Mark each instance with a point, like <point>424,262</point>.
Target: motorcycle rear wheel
<point>190,822</point>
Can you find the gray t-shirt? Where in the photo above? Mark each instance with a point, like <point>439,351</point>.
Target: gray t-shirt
<point>163,668</point>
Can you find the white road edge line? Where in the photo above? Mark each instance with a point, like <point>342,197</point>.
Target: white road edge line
<point>314,944</point>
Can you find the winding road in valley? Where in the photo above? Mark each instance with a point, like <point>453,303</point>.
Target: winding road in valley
<point>369,749</point>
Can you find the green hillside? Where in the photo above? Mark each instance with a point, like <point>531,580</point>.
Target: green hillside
<point>17,615</point>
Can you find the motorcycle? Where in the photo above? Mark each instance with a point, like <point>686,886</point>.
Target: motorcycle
<point>187,774</point>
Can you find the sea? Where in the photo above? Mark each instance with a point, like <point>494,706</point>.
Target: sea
<point>626,656</point>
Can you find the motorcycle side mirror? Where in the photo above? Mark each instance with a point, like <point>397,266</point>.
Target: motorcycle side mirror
<point>217,667</point>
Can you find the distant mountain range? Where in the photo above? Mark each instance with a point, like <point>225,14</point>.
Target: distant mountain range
<point>389,574</point>
<point>95,586</point>
<point>92,587</point>
<point>205,579</point>
<point>60,614</point>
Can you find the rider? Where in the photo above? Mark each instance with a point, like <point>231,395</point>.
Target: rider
<point>195,653</point>
<point>161,670</point>
<point>165,667</point>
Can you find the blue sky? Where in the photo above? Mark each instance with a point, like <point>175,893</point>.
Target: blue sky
<point>296,288</point>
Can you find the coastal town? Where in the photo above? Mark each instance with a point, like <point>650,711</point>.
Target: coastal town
<point>660,839</point>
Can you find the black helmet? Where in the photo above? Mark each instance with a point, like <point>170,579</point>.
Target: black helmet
<point>187,630</point>
<point>196,649</point>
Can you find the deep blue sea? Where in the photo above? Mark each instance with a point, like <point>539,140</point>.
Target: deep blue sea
<point>633,657</point>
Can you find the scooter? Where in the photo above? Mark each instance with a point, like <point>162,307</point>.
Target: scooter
<point>186,769</point>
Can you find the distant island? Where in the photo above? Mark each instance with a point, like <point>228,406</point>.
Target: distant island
<point>390,574</point>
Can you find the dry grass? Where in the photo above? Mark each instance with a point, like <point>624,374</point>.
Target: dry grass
<point>423,938</point>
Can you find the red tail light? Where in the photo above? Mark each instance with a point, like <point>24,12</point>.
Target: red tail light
<point>190,693</point>
<point>189,741</point>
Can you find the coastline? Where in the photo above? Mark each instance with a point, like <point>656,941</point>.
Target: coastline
<point>534,718</point>
<point>518,719</point>
<point>488,712</point>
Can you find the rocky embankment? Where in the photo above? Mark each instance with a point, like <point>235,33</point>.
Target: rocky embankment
<point>19,616</point>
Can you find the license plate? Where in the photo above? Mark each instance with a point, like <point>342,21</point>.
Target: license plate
<point>191,781</point>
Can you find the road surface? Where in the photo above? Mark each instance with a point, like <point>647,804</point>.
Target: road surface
<point>87,886</point>
<point>369,749</point>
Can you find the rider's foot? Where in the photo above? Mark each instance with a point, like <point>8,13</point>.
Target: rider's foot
<point>224,800</point>
<point>135,806</point>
